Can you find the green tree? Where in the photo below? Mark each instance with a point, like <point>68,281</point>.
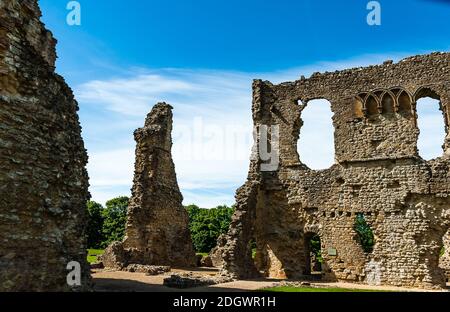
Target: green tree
<point>95,225</point>
<point>193,211</point>
<point>206,225</point>
<point>115,216</point>
<point>315,247</point>
<point>365,233</point>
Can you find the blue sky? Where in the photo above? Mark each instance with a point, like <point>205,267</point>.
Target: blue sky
<point>201,57</point>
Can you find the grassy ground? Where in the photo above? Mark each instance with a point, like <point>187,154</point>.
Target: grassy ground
<point>204,254</point>
<point>93,254</point>
<point>312,289</point>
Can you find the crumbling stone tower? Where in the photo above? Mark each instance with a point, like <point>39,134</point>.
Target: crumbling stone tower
<point>378,174</point>
<point>157,230</point>
<point>43,181</point>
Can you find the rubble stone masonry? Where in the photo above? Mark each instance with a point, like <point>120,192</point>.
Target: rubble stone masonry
<point>157,231</point>
<point>378,173</point>
<point>43,180</point>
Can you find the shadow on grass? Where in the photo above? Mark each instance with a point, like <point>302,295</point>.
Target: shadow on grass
<point>124,285</point>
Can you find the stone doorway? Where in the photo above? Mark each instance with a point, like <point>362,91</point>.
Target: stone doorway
<point>313,255</point>
<point>444,256</point>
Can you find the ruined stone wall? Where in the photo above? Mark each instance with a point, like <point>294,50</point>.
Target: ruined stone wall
<point>378,173</point>
<point>43,181</point>
<point>157,230</point>
<point>445,258</point>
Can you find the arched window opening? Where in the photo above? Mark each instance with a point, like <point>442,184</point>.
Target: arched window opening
<point>316,143</point>
<point>372,107</point>
<point>432,128</point>
<point>387,104</point>
<point>404,104</point>
<point>358,108</point>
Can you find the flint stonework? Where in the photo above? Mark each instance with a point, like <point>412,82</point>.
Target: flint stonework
<point>157,230</point>
<point>378,173</point>
<point>43,180</point>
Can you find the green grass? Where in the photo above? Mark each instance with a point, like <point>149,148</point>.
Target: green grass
<point>93,254</point>
<point>313,289</point>
<point>204,254</point>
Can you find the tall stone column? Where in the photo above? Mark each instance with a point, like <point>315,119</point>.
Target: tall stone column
<point>43,180</point>
<point>157,230</point>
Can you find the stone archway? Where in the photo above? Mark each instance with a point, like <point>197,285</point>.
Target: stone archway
<point>313,254</point>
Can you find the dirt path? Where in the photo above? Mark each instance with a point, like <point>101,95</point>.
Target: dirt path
<point>138,282</point>
<point>118,281</point>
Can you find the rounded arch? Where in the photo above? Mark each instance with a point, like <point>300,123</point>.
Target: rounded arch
<point>358,107</point>
<point>396,90</point>
<point>388,103</point>
<point>362,95</point>
<point>405,101</point>
<point>372,104</point>
<point>426,91</point>
<point>378,93</point>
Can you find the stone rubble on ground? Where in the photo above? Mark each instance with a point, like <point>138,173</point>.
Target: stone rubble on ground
<point>190,280</point>
<point>148,269</point>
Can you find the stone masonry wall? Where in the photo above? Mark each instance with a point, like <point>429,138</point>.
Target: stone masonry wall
<point>157,230</point>
<point>43,181</point>
<point>378,173</point>
<point>445,258</point>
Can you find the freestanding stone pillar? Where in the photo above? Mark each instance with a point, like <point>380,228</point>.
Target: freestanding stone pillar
<point>157,231</point>
<point>43,180</point>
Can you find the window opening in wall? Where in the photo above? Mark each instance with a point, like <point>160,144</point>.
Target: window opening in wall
<point>316,143</point>
<point>364,233</point>
<point>313,250</point>
<point>432,128</point>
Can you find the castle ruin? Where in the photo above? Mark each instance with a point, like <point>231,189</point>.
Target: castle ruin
<point>43,180</point>
<point>157,230</point>
<point>378,175</point>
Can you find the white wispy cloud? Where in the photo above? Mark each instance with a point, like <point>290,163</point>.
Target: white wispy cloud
<point>212,126</point>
